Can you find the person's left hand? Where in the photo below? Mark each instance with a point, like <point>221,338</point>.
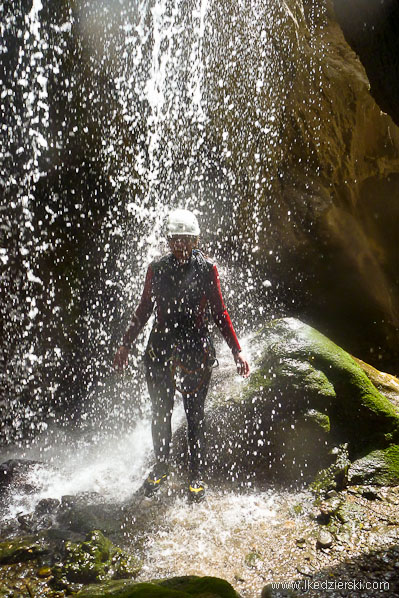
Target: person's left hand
<point>242,365</point>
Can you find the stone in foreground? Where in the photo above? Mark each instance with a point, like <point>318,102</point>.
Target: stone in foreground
<point>176,587</point>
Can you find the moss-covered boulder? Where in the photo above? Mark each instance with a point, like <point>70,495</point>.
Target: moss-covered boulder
<point>305,397</point>
<point>200,586</point>
<point>23,549</point>
<point>176,587</point>
<point>94,560</point>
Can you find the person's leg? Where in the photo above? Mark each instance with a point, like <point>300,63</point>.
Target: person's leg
<point>195,389</point>
<point>161,389</point>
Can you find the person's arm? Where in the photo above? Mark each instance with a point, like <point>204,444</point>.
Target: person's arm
<point>224,323</point>
<point>139,320</point>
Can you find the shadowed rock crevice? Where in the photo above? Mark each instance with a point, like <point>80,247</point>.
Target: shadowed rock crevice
<point>371,28</point>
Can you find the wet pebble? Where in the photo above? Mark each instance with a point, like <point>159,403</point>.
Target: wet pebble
<point>44,572</point>
<point>324,539</point>
<point>305,570</point>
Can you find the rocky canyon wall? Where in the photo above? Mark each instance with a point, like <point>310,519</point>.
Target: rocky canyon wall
<point>331,213</point>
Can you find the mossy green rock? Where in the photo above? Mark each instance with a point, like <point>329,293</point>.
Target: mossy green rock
<point>379,467</point>
<point>334,477</point>
<point>20,550</point>
<point>299,358</point>
<point>306,397</point>
<point>176,587</point>
<point>201,586</point>
<point>94,560</point>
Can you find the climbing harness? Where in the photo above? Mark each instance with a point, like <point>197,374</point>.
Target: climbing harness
<point>177,364</point>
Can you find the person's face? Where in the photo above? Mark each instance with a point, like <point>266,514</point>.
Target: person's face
<point>182,246</point>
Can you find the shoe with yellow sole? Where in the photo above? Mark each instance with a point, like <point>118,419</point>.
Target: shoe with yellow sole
<point>153,483</point>
<point>196,491</point>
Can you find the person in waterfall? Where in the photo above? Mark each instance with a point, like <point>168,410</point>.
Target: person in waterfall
<point>184,288</point>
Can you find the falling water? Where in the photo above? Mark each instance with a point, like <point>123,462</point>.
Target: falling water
<point>165,135</point>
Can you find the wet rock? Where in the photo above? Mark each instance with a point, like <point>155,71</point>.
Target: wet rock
<point>329,508</point>
<point>9,528</point>
<point>114,589</point>
<point>83,518</point>
<point>308,556</point>
<point>380,467</point>
<point>44,572</point>
<point>26,522</point>
<point>21,550</point>
<point>33,523</point>
<point>47,505</point>
<point>305,409</point>
<point>59,535</point>
<point>344,192</point>
<point>334,477</point>
<point>305,570</point>
<point>325,539</point>
<point>94,560</point>
<point>193,585</point>
<point>81,500</point>
<point>341,243</point>
<point>370,494</point>
<point>350,513</point>
<point>344,534</point>
<point>14,475</point>
<point>253,559</point>
<point>387,384</point>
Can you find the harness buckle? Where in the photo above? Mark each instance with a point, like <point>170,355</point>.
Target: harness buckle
<point>151,353</point>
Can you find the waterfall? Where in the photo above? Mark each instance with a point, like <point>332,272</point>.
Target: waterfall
<point>117,112</point>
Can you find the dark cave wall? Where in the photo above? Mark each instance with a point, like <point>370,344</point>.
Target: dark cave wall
<point>371,27</point>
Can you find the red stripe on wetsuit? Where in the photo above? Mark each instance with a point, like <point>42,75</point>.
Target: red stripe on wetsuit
<point>214,297</point>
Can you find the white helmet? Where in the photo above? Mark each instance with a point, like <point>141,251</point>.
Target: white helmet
<point>182,222</point>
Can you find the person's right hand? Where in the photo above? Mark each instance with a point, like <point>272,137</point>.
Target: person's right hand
<point>242,365</point>
<point>121,358</point>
